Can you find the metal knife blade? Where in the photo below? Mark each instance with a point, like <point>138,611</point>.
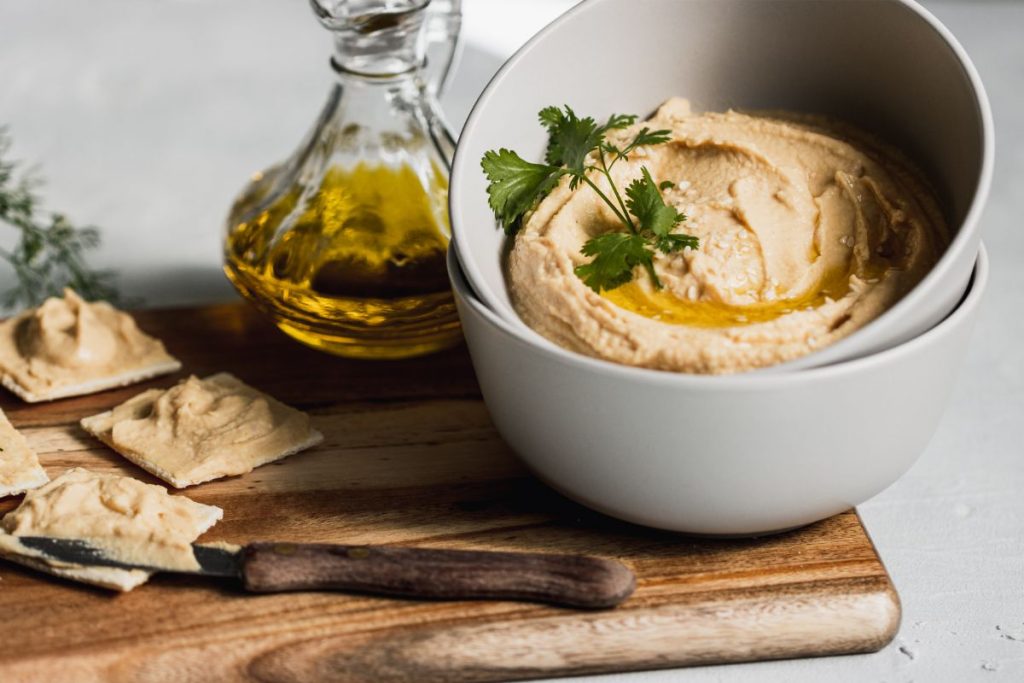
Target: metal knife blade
<point>213,560</point>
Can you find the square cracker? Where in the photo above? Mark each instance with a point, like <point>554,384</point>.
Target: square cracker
<point>19,466</point>
<point>225,463</point>
<point>112,578</point>
<point>30,374</point>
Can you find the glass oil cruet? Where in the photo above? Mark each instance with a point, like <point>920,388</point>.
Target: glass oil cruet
<point>444,21</point>
<point>343,244</point>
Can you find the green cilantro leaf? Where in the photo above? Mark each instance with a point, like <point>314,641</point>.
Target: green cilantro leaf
<point>644,200</point>
<point>646,136</point>
<point>615,254</point>
<point>516,185</point>
<point>570,138</point>
<point>550,117</point>
<point>668,244</point>
<point>619,121</point>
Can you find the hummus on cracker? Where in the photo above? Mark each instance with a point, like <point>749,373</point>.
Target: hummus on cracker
<point>203,429</point>
<point>128,520</point>
<point>69,347</point>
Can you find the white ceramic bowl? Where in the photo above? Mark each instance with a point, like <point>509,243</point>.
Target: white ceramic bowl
<point>743,454</point>
<point>886,65</point>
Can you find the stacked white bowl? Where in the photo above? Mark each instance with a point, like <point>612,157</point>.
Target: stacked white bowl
<point>762,451</point>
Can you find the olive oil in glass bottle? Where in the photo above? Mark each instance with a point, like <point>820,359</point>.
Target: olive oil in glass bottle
<point>343,244</point>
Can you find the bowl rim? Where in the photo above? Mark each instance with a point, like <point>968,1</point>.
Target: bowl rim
<point>922,291</point>
<point>750,380</point>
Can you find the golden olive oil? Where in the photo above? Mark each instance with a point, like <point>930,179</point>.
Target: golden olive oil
<point>668,308</point>
<point>357,267</point>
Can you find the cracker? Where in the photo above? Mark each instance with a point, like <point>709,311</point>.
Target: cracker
<point>70,347</point>
<point>93,386</point>
<point>113,578</point>
<point>164,459</point>
<point>19,465</point>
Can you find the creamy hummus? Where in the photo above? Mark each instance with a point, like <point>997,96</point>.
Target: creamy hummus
<point>203,429</point>
<point>807,231</point>
<point>19,465</point>
<point>69,347</point>
<point>129,520</point>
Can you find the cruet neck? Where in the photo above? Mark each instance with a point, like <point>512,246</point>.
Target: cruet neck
<point>375,38</point>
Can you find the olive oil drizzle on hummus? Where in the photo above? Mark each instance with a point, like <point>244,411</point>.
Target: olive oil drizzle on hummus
<point>666,307</point>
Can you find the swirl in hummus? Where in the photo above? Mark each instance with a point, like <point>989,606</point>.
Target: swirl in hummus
<point>807,232</point>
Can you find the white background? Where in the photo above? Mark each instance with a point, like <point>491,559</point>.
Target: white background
<point>147,116</point>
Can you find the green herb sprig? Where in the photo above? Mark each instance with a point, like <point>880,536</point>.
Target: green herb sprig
<point>577,147</point>
<point>49,254</point>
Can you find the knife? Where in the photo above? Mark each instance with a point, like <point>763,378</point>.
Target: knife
<point>577,581</point>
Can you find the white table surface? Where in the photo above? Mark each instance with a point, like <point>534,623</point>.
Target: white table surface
<point>146,117</point>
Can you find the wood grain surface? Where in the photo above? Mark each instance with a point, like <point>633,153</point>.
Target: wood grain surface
<point>410,458</point>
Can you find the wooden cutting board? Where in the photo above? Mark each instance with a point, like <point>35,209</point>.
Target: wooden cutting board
<point>410,457</point>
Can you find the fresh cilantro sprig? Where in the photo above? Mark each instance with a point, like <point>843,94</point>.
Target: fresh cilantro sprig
<point>578,148</point>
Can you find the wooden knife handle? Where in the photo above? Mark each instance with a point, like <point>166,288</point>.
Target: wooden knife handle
<point>567,580</point>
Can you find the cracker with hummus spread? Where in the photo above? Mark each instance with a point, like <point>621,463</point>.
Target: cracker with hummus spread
<point>203,429</point>
<point>19,466</point>
<point>130,521</point>
<point>70,347</point>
